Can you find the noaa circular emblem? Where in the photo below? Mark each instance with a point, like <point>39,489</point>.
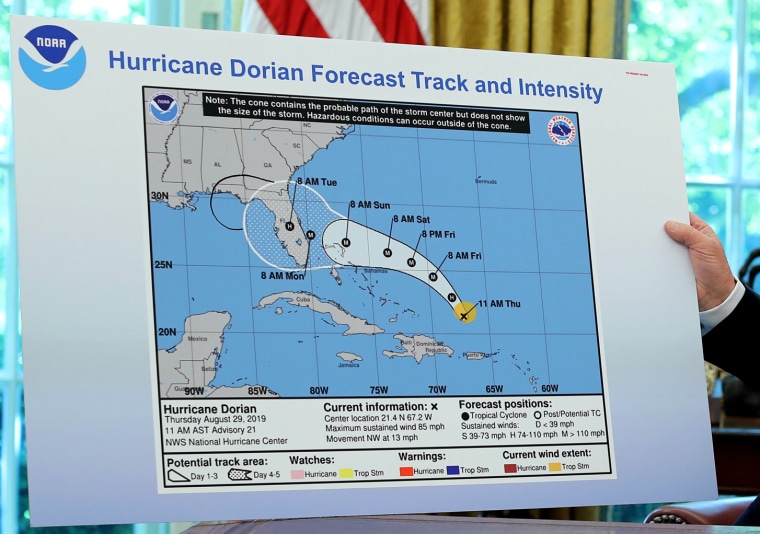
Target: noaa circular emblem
<point>561,130</point>
<point>52,57</point>
<point>163,108</point>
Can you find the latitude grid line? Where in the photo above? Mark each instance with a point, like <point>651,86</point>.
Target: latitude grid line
<point>461,206</point>
<point>422,207</point>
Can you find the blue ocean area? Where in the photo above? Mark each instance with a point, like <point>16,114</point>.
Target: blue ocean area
<point>514,248</point>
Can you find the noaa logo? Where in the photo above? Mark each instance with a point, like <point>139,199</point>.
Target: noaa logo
<point>52,57</point>
<point>163,107</point>
<point>561,130</point>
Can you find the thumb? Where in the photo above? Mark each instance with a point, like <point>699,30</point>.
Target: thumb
<point>680,232</point>
<point>683,233</point>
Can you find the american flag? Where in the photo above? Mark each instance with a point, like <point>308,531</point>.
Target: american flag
<point>391,21</point>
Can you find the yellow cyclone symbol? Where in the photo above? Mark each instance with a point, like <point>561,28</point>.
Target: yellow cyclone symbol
<point>465,312</point>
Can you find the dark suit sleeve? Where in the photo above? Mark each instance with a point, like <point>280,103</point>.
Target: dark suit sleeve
<point>732,344</point>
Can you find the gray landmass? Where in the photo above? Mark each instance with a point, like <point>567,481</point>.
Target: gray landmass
<point>349,357</point>
<point>253,158</point>
<point>334,273</point>
<point>277,200</point>
<point>356,325</point>
<point>191,363</point>
<point>417,347</point>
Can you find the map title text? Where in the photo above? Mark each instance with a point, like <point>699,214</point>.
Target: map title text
<point>335,75</point>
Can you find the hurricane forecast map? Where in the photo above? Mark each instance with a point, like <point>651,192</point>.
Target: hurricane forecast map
<point>369,292</point>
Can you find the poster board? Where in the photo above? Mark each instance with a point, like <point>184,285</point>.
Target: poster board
<point>266,277</point>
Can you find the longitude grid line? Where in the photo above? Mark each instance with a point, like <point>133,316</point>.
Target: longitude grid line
<point>538,260</point>
<point>202,195</point>
<point>483,247</point>
<point>366,223</point>
<point>248,256</point>
<point>239,146</point>
<point>290,206</point>
<point>311,278</point>
<point>178,129</point>
<point>430,290</point>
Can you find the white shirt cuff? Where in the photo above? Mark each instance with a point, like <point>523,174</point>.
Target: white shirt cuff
<point>709,319</point>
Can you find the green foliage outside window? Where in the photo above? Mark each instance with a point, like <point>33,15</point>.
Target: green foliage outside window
<point>696,36</point>
<point>751,170</point>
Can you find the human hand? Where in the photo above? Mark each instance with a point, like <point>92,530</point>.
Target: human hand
<point>714,278</point>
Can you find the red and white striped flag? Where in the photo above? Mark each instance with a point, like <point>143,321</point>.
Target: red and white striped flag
<point>391,21</point>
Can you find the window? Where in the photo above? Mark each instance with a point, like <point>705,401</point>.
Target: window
<point>713,44</point>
